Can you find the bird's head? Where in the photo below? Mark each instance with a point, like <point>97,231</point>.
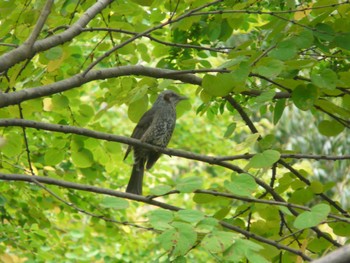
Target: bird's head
<point>171,97</point>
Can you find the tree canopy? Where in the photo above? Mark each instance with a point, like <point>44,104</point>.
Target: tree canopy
<point>257,169</point>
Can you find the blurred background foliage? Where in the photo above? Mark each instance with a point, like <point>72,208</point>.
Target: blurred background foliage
<point>285,63</point>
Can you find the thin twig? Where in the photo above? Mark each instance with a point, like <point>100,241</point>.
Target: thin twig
<point>39,24</point>
<point>143,199</point>
<point>146,32</point>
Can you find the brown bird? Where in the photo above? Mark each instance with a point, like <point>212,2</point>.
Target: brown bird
<point>155,127</point>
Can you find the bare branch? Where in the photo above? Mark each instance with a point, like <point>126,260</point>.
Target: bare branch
<point>22,53</point>
<point>143,199</point>
<point>180,45</point>
<point>133,142</point>
<point>171,152</point>
<point>146,32</point>
<point>288,156</point>
<point>253,200</point>
<point>259,12</point>
<point>184,76</point>
<point>341,255</point>
<point>79,79</point>
<point>39,25</point>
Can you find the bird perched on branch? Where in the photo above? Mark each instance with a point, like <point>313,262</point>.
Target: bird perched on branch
<point>155,127</point>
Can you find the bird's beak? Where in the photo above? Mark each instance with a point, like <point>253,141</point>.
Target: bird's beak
<point>183,98</point>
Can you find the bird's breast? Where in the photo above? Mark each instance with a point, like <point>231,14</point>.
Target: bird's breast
<point>161,130</point>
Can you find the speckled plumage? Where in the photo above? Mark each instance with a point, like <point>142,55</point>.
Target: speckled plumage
<point>155,127</point>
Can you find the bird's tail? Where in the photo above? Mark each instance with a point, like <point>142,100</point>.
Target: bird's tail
<point>135,182</point>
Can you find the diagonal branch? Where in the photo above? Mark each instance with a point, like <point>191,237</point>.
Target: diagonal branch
<point>39,25</point>
<point>184,76</point>
<point>252,200</point>
<point>146,32</point>
<point>143,199</point>
<point>282,162</point>
<point>134,142</point>
<point>22,53</point>
<point>254,130</point>
<point>13,98</point>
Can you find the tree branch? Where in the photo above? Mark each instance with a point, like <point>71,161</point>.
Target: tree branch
<point>143,199</point>
<point>146,32</point>
<point>21,53</point>
<point>252,128</point>
<point>253,200</point>
<point>341,255</point>
<point>13,98</point>
<point>184,76</point>
<point>133,142</point>
<point>288,156</point>
<point>39,25</point>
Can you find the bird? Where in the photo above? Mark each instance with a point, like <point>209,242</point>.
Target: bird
<point>155,127</point>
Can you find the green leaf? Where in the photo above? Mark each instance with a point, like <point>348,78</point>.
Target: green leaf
<point>308,219</point>
<point>160,219</point>
<point>86,113</point>
<point>248,245</point>
<point>54,53</point>
<point>285,210</point>
<point>324,32</point>
<point>267,141</point>
<point>187,238</point>
<point>256,258</point>
<point>60,102</point>
<point>3,201</point>
<point>203,198</point>
<point>207,225</point>
<point>178,240</point>
<point>230,129</point>
<point>269,67</point>
<point>304,40</point>
<point>242,184</point>
<point>265,96</point>
<point>316,187</point>
<point>284,50</point>
<point>191,216</point>
<point>114,202</point>
<point>53,156</point>
<point>331,107</point>
<point>82,158</point>
<point>342,41</point>
<point>319,244</point>
<point>330,128</point>
<point>179,259</point>
<point>340,228</point>
<point>222,213</point>
<point>137,109</point>
<point>245,248</point>
<point>168,239</point>
<point>301,196</point>
<point>160,189</point>
<point>217,241</point>
<point>324,78</point>
<point>240,75</point>
<point>12,145</point>
<point>143,2</point>
<point>265,159</point>
<point>219,85</point>
<point>189,184</point>
<point>278,110</point>
<point>346,101</point>
<point>304,97</point>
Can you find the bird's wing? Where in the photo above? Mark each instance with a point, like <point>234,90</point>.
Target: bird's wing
<point>141,127</point>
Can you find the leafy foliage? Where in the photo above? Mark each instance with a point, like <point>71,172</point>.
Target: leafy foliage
<point>264,175</point>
